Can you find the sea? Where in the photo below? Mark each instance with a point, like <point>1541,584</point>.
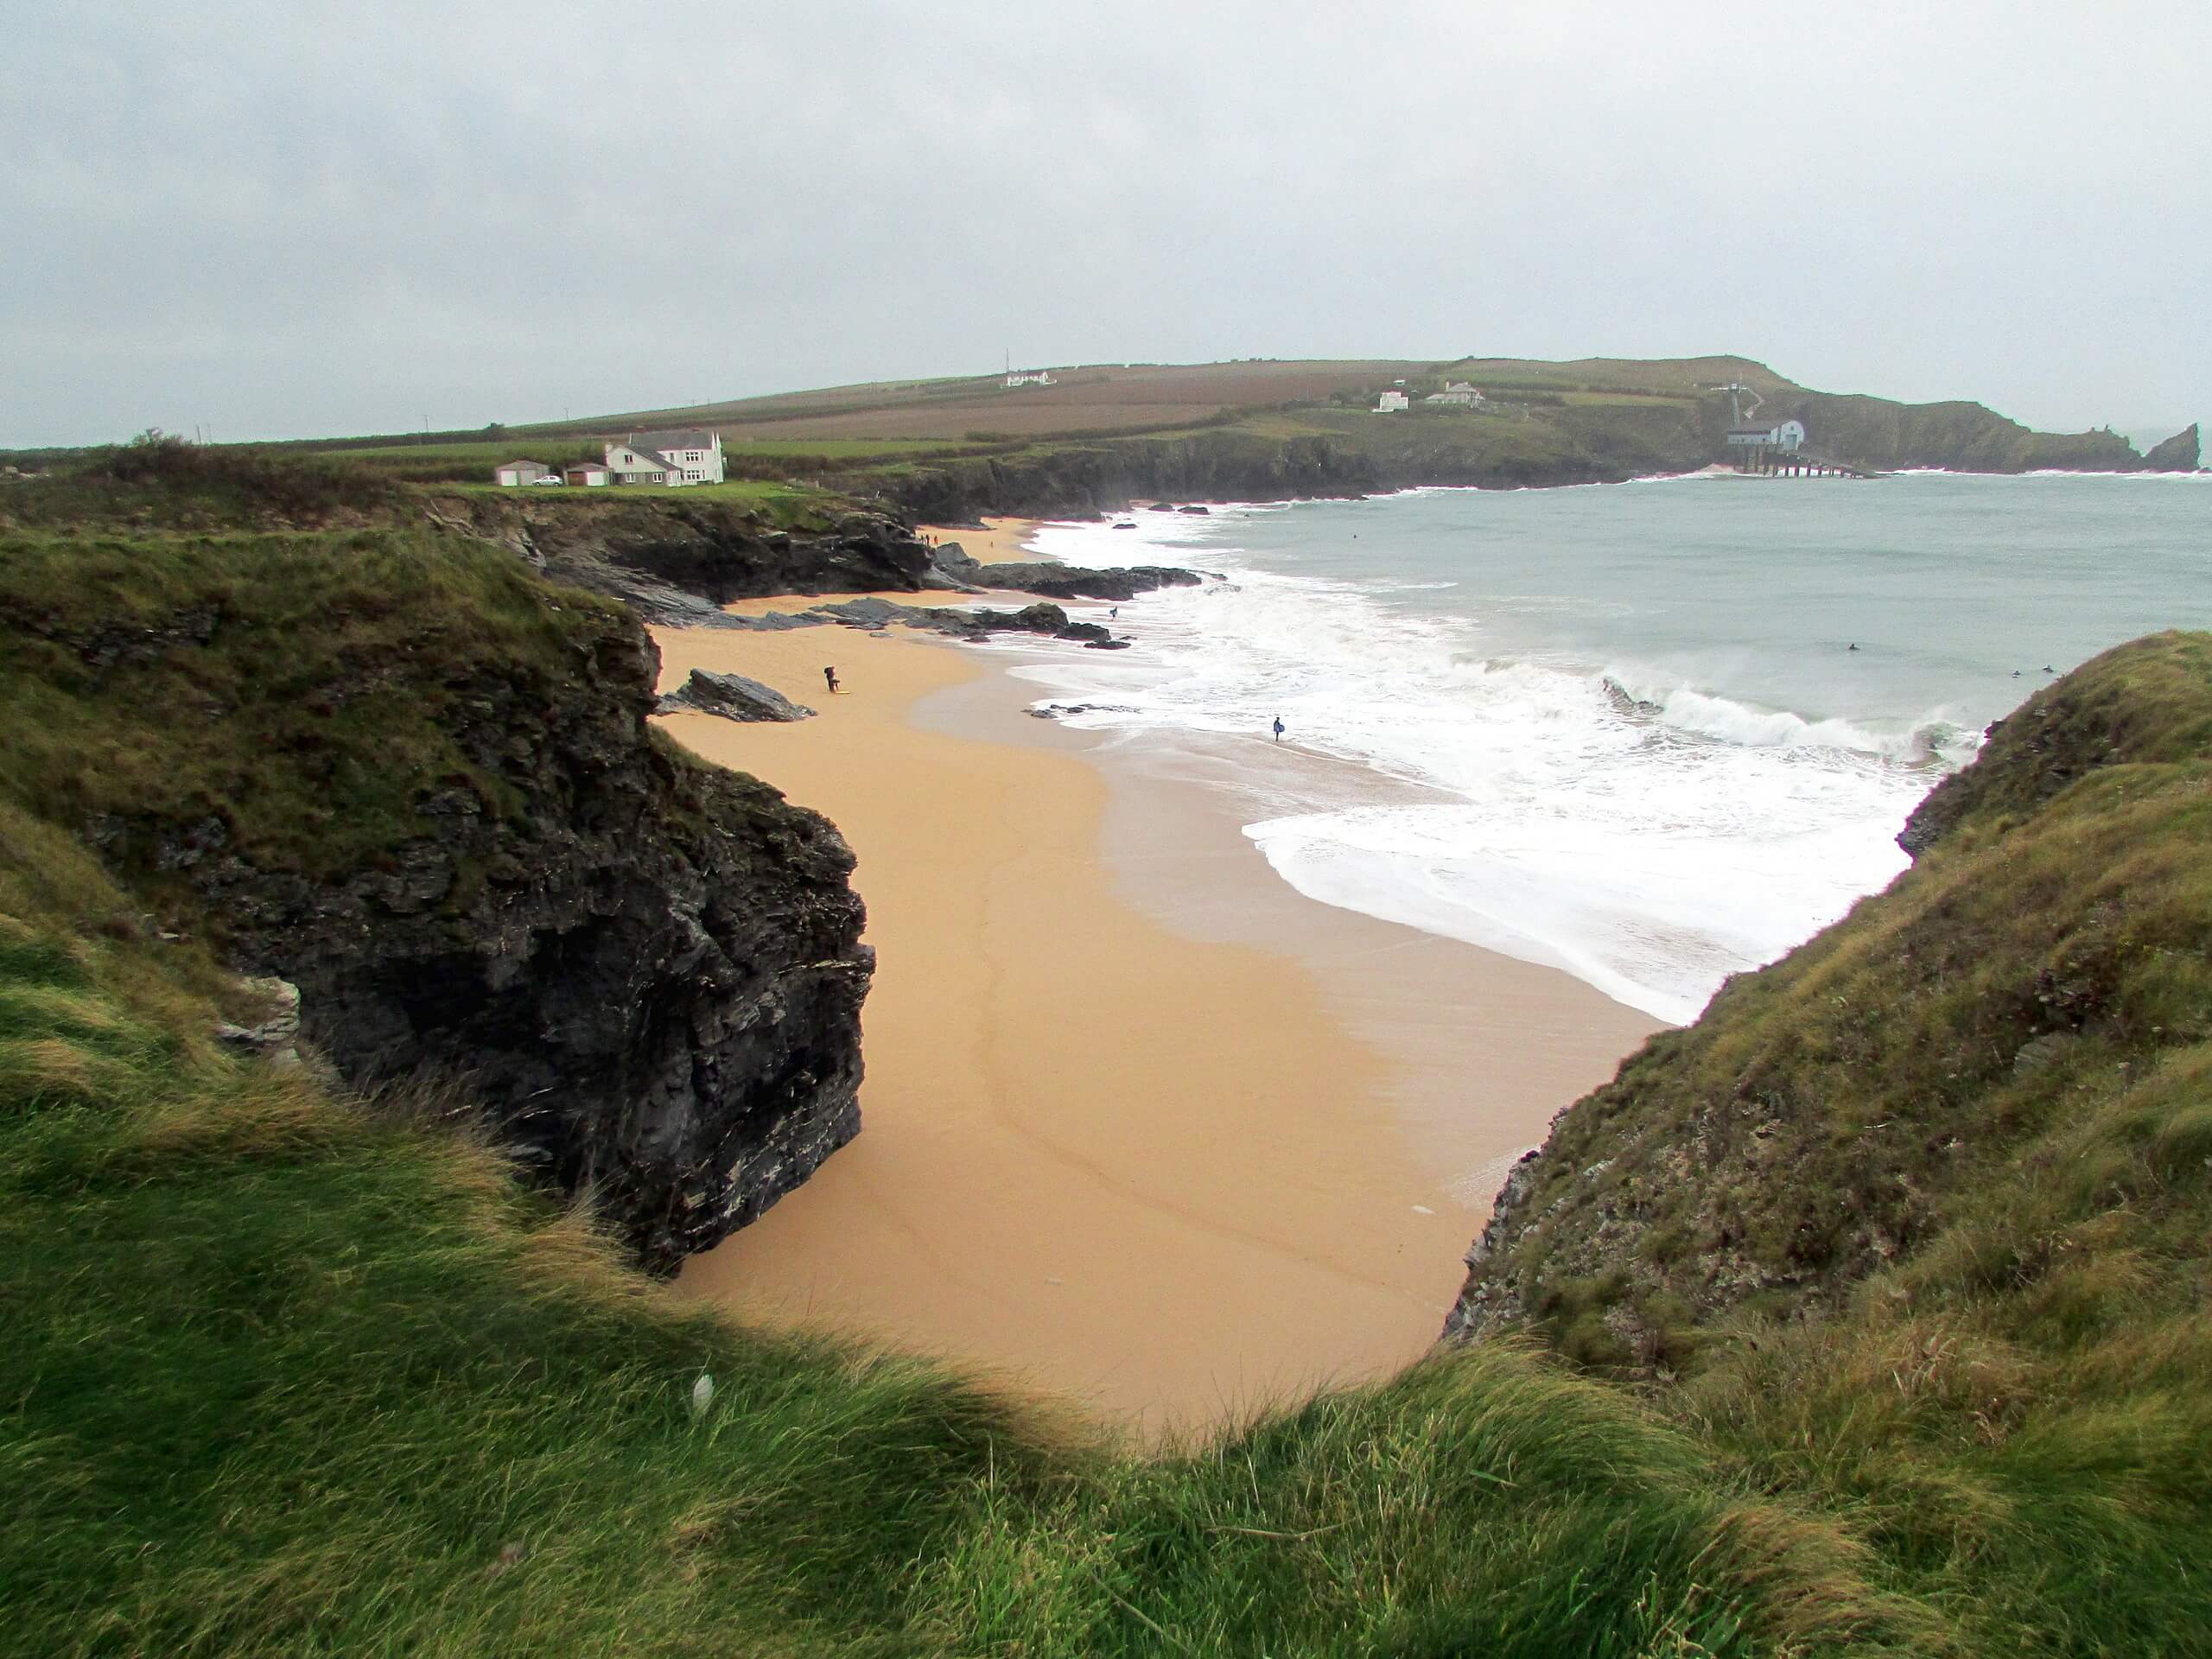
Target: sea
<point>1653,734</point>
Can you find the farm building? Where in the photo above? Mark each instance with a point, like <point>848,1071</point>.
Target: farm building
<point>586,473</point>
<point>1392,402</point>
<point>1031,377</point>
<point>520,471</point>
<point>1458,395</point>
<point>671,458</point>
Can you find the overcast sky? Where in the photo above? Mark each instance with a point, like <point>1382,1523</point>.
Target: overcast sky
<point>276,220</point>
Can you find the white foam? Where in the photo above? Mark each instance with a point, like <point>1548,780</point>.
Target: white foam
<point>1649,854</point>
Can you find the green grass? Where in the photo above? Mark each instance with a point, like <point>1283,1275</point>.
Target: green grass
<point>292,692</point>
<point>775,503</point>
<point>291,1371</point>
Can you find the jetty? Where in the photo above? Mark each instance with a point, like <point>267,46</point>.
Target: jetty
<point>1800,463</point>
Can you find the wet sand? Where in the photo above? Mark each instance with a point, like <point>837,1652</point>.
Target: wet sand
<point>1141,1125</point>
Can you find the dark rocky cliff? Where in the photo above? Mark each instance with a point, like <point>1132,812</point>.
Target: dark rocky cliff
<point>1957,436</point>
<point>1832,1114</point>
<point>418,783</point>
<point>2178,454</point>
<point>631,543</point>
<point>1083,480</point>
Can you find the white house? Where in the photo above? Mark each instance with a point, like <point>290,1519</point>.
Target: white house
<point>519,472</point>
<point>1392,402</point>
<point>670,458</point>
<point>1787,434</point>
<point>586,473</point>
<point>1458,395</point>
<point>1031,377</point>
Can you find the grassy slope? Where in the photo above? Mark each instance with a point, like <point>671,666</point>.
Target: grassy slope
<point>168,486</point>
<point>288,1373</point>
<point>1999,1074</point>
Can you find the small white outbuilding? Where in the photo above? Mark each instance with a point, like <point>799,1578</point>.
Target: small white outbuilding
<point>520,471</point>
<point>1392,402</point>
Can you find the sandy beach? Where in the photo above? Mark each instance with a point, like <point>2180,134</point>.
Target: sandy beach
<point>999,542</point>
<point>1141,1125</point>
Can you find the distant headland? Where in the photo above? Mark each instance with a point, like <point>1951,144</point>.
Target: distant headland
<point>1082,439</point>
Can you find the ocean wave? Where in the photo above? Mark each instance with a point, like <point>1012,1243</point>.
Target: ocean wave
<point>1933,740</point>
<point>1645,835</point>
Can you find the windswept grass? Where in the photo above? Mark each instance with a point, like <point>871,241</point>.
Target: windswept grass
<point>287,696</point>
<point>286,1373</point>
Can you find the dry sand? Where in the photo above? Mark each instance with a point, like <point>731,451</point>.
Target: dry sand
<point>1173,1157</point>
<point>999,542</point>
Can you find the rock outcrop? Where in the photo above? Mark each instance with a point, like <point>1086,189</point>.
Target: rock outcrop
<point>651,975</point>
<point>979,623</point>
<point>733,697</point>
<point>2178,454</point>
<point>656,549</point>
<point>1053,580</point>
<point>418,785</point>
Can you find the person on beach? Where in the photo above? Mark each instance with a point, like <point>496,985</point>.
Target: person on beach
<point>829,678</point>
<point>1278,728</point>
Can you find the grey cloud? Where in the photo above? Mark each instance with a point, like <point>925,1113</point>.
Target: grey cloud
<point>285,221</point>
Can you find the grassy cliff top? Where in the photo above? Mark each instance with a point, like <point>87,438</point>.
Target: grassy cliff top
<point>291,697</point>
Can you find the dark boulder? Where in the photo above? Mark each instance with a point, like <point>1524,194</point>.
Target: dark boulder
<point>1075,582</point>
<point>957,624</point>
<point>733,696</point>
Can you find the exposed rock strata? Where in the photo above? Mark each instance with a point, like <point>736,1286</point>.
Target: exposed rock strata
<point>733,697</point>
